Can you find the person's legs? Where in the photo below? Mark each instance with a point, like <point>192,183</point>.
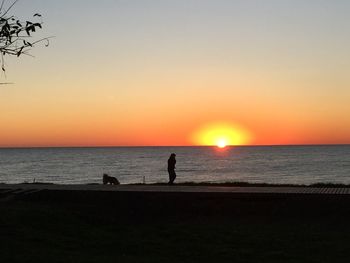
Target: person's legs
<point>169,177</point>
<point>172,176</point>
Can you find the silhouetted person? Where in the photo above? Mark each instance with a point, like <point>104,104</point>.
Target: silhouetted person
<point>171,168</point>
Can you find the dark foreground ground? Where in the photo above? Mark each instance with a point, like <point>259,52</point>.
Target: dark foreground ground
<point>96,226</point>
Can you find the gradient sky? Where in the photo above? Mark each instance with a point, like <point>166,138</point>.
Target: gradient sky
<point>152,72</point>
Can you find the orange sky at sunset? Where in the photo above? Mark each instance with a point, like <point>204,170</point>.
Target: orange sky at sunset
<point>271,74</point>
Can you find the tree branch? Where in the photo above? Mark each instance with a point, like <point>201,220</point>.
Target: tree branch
<point>12,39</point>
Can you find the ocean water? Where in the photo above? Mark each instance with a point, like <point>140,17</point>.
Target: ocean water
<point>255,164</point>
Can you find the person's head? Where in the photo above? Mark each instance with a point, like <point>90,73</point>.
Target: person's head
<point>172,155</point>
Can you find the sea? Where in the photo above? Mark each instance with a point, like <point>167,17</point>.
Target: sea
<point>253,164</point>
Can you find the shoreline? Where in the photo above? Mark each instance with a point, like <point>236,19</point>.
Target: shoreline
<point>18,191</point>
<point>205,184</point>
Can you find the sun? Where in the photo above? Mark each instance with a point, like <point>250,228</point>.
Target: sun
<point>221,143</point>
<point>221,134</point>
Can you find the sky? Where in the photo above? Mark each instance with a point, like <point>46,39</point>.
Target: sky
<point>161,72</point>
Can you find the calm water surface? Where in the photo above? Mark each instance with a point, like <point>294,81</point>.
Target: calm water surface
<point>266,164</point>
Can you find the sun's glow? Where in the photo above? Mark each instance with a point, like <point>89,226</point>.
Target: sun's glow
<point>221,143</point>
<point>221,135</point>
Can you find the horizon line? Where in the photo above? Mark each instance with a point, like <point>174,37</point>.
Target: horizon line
<point>144,146</point>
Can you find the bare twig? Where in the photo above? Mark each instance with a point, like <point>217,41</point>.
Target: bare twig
<point>2,5</point>
<point>8,9</point>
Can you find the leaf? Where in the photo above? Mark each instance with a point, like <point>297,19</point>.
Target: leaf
<point>30,28</point>
<point>20,51</point>
<point>6,27</point>
<point>27,43</point>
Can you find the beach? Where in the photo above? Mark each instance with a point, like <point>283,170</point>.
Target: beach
<point>145,223</point>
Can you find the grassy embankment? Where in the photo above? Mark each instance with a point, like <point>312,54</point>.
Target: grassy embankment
<point>64,226</point>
